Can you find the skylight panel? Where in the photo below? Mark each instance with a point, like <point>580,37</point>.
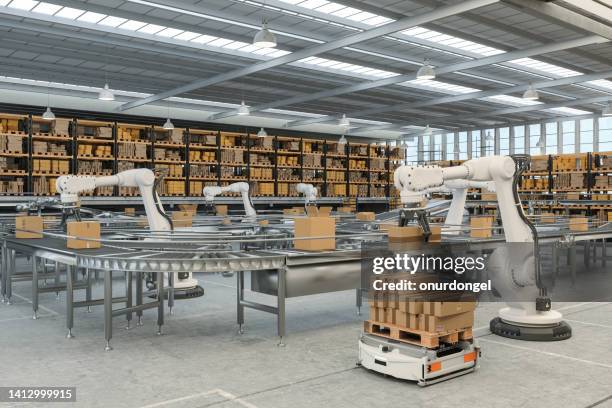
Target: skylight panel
<point>111,21</point>
<point>204,39</point>
<point>249,48</point>
<point>234,45</point>
<point>330,8</point>
<point>169,32</point>
<point>263,51</point>
<point>279,53</point>
<point>23,4</point>
<point>69,13</point>
<point>220,42</point>
<point>364,15</point>
<point>151,29</point>
<point>313,4</point>
<point>187,36</point>
<point>91,17</point>
<point>5,2</point>
<point>377,21</point>
<point>44,8</point>
<point>512,100</point>
<point>439,86</point>
<point>131,25</point>
<point>603,83</point>
<point>291,1</point>
<point>569,111</point>
<point>545,67</point>
<point>346,12</point>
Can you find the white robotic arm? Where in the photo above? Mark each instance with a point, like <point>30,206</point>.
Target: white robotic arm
<point>309,191</point>
<point>210,192</point>
<point>70,186</point>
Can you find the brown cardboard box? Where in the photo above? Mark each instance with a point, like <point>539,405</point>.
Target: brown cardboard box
<point>192,208</point>
<point>315,227</point>
<point>221,209</point>
<point>447,323</point>
<point>402,319</point>
<point>182,219</point>
<point>488,197</point>
<point>264,223</point>
<point>547,218</point>
<point>345,210</point>
<point>374,314</point>
<point>409,233</point>
<point>390,315</point>
<point>579,224</point>
<point>83,229</point>
<point>28,223</point>
<point>443,309</point>
<point>130,211</point>
<point>312,211</point>
<point>293,211</point>
<point>366,216</point>
<point>480,227</point>
<point>325,211</point>
<point>573,196</point>
<point>226,221</point>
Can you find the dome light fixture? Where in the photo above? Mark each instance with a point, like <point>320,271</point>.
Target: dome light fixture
<point>541,143</point>
<point>489,137</point>
<point>168,125</point>
<point>262,133</point>
<point>531,94</point>
<point>342,140</point>
<point>427,131</point>
<point>344,122</point>
<point>264,37</point>
<point>607,111</point>
<point>48,115</point>
<point>106,94</point>
<point>243,110</point>
<point>427,71</point>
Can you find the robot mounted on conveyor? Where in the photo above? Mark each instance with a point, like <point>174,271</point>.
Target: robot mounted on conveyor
<point>69,187</point>
<point>210,192</point>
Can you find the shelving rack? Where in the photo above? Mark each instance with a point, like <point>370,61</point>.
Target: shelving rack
<point>191,158</point>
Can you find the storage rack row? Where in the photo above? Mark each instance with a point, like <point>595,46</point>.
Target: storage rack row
<point>188,158</point>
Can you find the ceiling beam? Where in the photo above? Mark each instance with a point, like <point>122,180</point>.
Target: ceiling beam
<point>496,59</point>
<point>497,112</point>
<point>462,97</point>
<point>319,49</point>
<point>563,16</point>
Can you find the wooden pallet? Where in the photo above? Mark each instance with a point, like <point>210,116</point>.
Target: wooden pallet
<point>416,337</point>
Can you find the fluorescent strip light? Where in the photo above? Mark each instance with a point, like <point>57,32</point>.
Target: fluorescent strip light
<point>569,111</point>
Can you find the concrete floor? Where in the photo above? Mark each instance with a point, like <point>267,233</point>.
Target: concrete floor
<point>201,361</point>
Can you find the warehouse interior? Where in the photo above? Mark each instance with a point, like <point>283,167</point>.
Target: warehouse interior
<point>205,203</point>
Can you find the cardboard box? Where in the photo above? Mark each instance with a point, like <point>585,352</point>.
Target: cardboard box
<point>130,211</point>
<point>481,227</point>
<point>182,219</point>
<point>447,323</point>
<point>412,233</point>
<point>84,229</point>
<point>315,227</point>
<point>366,216</point>
<point>547,218</point>
<point>312,211</point>
<point>293,211</point>
<point>192,208</point>
<point>264,223</point>
<point>443,309</point>
<point>488,196</point>
<point>579,224</point>
<point>325,211</point>
<point>221,209</point>
<point>402,319</point>
<point>26,223</point>
<point>374,314</point>
<point>345,210</point>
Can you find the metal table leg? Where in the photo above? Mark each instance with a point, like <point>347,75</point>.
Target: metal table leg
<point>587,249</point>
<point>108,308</point>
<point>88,289</point>
<point>239,299</point>
<point>160,306</point>
<point>359,300</point>
<point>34,288</point>
<point>9,280</point>
<point>3,266</point>
<point>69,300</point>
<point>555,260</point>
<point>171,279</point>
<point>603,253</point>
<point>572,262</point>
<point>128,289</point>
<point>139,277</point>
<point>282,289</point>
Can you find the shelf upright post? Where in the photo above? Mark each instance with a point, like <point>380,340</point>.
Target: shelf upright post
<point>550,175</point>
<point>187,166</point>
<point>30,180</point>
<point>325,147</point>
<point>248,158</point>
<point>218,157</point>
<point>369,167</point>
<point>72,130</point>
<point>347,160</point>
<point>115,133</point>
<point>302,159</point>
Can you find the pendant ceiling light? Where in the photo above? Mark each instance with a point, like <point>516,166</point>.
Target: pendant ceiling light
<point>427,131</point>
<point>427,71</point>
<point>262,133</point>
<point>342,140</point>
<point>489,137</point>
<point>607,111</point>
<point>243,110</point>
<point>48,115</point>
<point>344,122</point>
<point>540,142</point>
<point>106,94</point>
<point>168,125</point>
<point>531,94</point>
<point>264,37</point>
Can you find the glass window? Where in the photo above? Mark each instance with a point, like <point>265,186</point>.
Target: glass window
<point>437,146</point>
<point>605,134</point>
<point>450,146</point>
<point>412,149</point>
<point>534,138</point>
<point>489,141</point>
<point>569,136</point>
<point>586,135</point>
<point>519,139</point>
<point>504,141</point>
<point>551,138</point>
<point>475,143</point>
<point>463,145</point>
<point>426,148</point>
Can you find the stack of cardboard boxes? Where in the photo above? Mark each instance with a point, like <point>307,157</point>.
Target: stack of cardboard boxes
<point>198,170</point>
<point>263,189</point>
<point>51,166</point>
<point>12,187</point>
<point>11,143</point>
<point>261,173</point>
<point>132,150</point>
<point>284,160</point>
<point>312,160</point>
<point>202,156</point>
<point>574,181</point>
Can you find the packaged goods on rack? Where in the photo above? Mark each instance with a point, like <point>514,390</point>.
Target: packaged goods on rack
<point>377,164</point>
<point>128,134</point>
<point>92,167</point>
<point>175,188</point>
<point>287,174</point>
<point>338,190</point>
<point>283,160</point>
<point>569,162</point>
<point>263,189</point>
<point>261,173</point>
<point>263,143</point>
<point>50,166</point>
<point>132,150</point>
<point>12,186</point>
<point>359,150</point>
<point>202,156</point>
<point>377,191</point>
<point>604,181</point>
<point>232,156</point>
<point>260,159</point>
<point>124,165</point>
<point>8,163</point>
<point>311,160</point>
<point>357,176</point>
<point>332,163</point>
<point>209,139</point>
<point>170,170</point>
<point>195,188</point>
<point>232,172</point>
<point>397,153</point>
<point>535,184</point>
<point>312,175</point>
<point>570,181</point>
<point>336,176</point>
<point>11,143</point>
<point>61,126</point>
<point>200,170</point>
<point>9,125</point>
<point>360,190</point>
<point>539,164</point>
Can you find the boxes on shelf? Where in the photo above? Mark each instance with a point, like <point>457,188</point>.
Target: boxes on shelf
<point>11,143</point>
<point>62,126</point>
<point>578,224</point>
<point>310,227</point>
<point>481,227</point>
<point>539,164</point>
<point>83,229</point>
<point>182,218</point>
<point>28,226</point>
<point>221,209</point>
<point>9,125</point>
